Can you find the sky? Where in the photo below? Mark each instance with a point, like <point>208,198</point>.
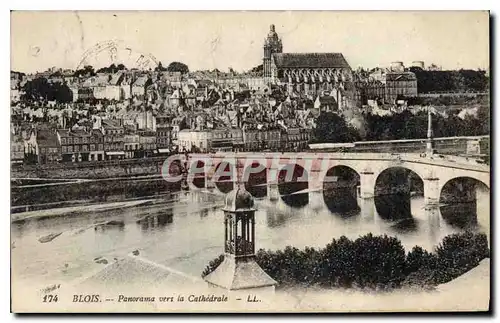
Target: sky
<point>218,39</point>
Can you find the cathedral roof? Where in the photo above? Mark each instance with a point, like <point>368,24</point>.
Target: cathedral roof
<point>310,60</point>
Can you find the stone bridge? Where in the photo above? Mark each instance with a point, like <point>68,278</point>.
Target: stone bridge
<point>315,169</point>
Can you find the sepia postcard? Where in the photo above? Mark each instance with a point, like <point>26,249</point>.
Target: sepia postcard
<point>250,162</point>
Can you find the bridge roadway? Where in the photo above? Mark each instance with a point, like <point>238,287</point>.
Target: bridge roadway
<point>435,170</point>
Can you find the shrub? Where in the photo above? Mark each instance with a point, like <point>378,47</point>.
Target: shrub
<point>337,263</point>
<point>419,259</point>
<point>371,261</point>
<point>291,265</point>
<point>378,260</point>
<point>459,253</point>
<point>212,265</point>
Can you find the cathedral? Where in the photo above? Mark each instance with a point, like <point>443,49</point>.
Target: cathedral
<point>310,74</point>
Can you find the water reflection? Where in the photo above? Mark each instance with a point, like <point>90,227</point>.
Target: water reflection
<point>342,201</point>
<point>155,221</point>
<point>394,207</point>
<point>256,183</point>
<point>405,225</point>
<point>460,216</point>
<point>296,200</point>
<point>38,198</point>
<point>196,231</point>
<point>275,219</point>
<point>293,179</point>
<point>110,225</point>
<point>367,209</point>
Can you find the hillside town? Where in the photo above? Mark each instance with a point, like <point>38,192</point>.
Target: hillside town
<point>115,112</point>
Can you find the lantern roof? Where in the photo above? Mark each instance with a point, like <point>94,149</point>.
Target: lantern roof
<point>239,200</point>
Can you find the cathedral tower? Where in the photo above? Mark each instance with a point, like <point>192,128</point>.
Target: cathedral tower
<point>272,44</point>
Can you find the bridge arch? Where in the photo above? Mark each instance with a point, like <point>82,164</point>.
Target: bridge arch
<point>479,178</point>
<point>224,176</point>
<point>340,190</point>
<point>292,179</point>
<point>255,177</point>
<point>463,202</point>
<point>398,180</point>
<point>394,187</point>
<point>198,175</point>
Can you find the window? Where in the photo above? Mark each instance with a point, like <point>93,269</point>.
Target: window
<point>76,140</point>
<point>63,149</point>
<point>85,140</point>
<point>100,147</point>
<point>77,148</point>
<point>92,147</point>
<point>70,149</point>
<point>85,147</point>
<point>92,139</point>
<point>42,150</point>
<point>63,141</point>
<point>70,141</point>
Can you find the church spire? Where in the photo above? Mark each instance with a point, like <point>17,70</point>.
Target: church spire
<point>272,45</point>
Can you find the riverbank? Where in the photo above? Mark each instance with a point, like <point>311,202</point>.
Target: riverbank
<point>81,209</point>
<point>36,196</point>
<point>91,170</point>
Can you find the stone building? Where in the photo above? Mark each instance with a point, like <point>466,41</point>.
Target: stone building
<point>74,144</point>
<point>163,133</point>
<point>308,74</point>
<point>400,84</point>
<point>272,45</point>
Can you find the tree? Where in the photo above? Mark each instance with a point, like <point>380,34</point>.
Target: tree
<point>112,68</point>
<point>333,128</point>
<point>160,68</point>
<point>40,88</point>
<point>178,67</point>
<point>259,69</point>
<point>87,70</point>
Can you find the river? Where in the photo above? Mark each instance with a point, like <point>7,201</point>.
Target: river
<point>184,230</point>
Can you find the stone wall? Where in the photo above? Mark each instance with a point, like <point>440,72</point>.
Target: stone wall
<point>94,170</point>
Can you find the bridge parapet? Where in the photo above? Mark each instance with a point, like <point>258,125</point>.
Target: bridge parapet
<point>368,165</point>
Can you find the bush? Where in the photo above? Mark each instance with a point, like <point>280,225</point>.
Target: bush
<point>378,261</point>
<point>418,259</point>
<point>371,261</point>
<point>337,263</point>
<point>459,253</point>
<point>212,265</point>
